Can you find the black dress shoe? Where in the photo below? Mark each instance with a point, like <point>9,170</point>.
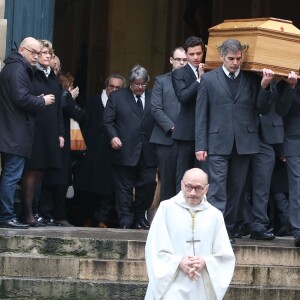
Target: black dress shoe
<point>142,224</point>
<point>14,223</point>
<point>39,220</point>
<point>297,240</point>
<point>262,235</point>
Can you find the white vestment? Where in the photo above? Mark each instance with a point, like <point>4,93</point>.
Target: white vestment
<point>167,244</point>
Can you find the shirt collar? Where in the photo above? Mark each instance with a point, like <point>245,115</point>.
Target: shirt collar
<point>104,97</point>
<point>236,73</point>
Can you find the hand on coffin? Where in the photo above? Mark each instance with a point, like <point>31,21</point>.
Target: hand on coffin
<point>267,77</point>
<point>292,79</point>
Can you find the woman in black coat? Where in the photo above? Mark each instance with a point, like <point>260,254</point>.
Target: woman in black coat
<point>48,134</point>
<point>55,183</point>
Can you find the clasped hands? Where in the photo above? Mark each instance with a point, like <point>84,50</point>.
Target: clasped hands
<point>192,266</point>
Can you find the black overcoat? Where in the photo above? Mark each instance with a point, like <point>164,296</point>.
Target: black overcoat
<point>18,106</point>
<point>63,176</point>
<point>49,126</point>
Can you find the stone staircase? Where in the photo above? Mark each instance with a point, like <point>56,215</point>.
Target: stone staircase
<point>86,263</point>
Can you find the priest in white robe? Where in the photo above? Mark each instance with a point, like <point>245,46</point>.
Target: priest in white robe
<point>188,252</point>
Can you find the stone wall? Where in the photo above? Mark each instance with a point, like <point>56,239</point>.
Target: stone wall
<point>3,28</point>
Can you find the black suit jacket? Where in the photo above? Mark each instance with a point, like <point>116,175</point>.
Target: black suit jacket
<point>271,123</point>
<point>165,108</point>
<point>185,87</point>
<point>288,106</point>
<point>222,120</point>
<point>122,119</point>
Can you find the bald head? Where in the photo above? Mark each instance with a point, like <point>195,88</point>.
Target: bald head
<point>30,41</point>
<point>30,48</point>
<point>196,174</point>
<point>194,185</point>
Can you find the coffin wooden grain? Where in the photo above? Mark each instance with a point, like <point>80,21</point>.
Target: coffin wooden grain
<point>269,43</point>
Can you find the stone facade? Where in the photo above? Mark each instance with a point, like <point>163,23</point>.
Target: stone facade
<point>3,29</point>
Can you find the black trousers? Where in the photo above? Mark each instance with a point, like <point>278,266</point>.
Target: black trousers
<point>134,191</point>
<point>52,203</point>
<point>167,159</point>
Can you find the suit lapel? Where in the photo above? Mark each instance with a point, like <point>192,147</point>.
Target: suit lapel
<point>222,80</point>
<point>241,86</point>
<point>132,102</point>
<point>190,72</point>
<point>147,108</point>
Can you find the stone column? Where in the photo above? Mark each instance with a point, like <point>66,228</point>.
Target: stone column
<point>3,28</point>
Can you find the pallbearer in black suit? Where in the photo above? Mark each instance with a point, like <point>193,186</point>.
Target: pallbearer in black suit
<point>288,106</point>
<point>227,126</point>
<point>186,83</point>
<point>129,123</point>
<point>262,165</point>
<point>165,108</point>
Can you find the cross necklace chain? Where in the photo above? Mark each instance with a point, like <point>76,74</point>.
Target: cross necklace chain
<point>193,215</point>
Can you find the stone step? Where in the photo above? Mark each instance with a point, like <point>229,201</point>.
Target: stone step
<point>64,289</point>
<point>130,270</point>
<point>73,268</point>
<point>269,276</point>
<point>77,242</point>
<point>55,289</point>
<point>130,244</point>
<point>86,263</point>
<point>262,293</point>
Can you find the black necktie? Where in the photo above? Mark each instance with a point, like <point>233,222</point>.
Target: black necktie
<point>232,75</point>
<point>139,104</point>
<point>197,71</point>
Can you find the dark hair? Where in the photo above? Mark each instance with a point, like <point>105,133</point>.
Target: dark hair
<point>193,41</point>
<point>115,75</point>
<point>174,50</point>
<point>230,45</point>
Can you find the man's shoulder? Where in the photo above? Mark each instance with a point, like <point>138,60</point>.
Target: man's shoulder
<point>182,71</point>
<point>211,73</point>
<point>163,77</point>
<point>121,93</point>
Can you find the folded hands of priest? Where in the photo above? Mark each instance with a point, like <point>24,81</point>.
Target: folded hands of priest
<point>192,266</point>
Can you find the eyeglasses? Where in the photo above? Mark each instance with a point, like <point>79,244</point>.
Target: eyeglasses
<point>33,53</point>
<point>180,59</point>
<point>198,188</point>
<point>139,85</point>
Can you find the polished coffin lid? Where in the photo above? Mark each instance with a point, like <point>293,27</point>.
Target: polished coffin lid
<point>269,43</point>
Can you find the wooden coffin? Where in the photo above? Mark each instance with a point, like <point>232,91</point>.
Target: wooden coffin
<point>269,43</point>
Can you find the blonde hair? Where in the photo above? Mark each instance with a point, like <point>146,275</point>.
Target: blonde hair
<point>47,44</point>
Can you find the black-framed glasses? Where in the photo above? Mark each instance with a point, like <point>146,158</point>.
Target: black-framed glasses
<point>180,59</point>
<point>33,52</point>
<point>197,188</point>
